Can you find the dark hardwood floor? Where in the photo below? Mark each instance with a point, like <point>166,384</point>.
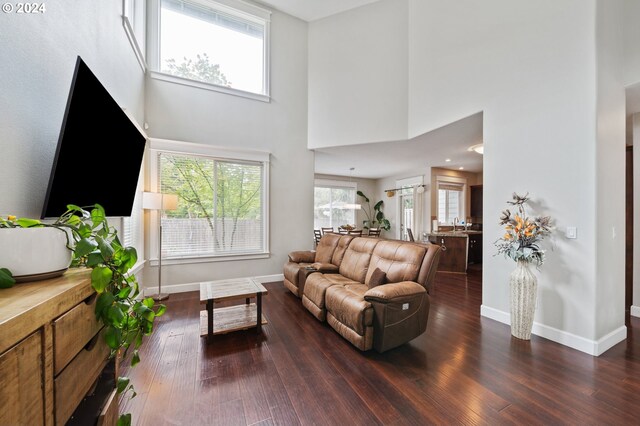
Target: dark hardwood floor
<point>464,370</point>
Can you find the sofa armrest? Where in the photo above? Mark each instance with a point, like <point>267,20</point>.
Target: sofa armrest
<point>393,291</point>
<point>302,256</point>
<point>325,268</point>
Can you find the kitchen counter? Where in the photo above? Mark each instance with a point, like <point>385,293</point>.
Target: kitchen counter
<point>459,248</point>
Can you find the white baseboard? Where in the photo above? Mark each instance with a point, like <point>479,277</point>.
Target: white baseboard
<point>183,288</point>
<point>635,311</point>
<point>592,347</point>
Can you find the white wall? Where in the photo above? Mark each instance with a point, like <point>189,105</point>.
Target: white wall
<point>635,308</point>
<point>358,76</point>
<point>610,151</point>
<point>537,88</point>
<point>631,28</point>
<point>195,115</point>
<point>38,55</point>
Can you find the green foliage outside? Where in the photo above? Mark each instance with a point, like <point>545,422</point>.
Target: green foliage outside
<point>200,69</point>
<point>221,192</point>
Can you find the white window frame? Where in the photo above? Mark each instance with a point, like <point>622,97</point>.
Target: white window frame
<point>463,196</point>
<point>238,8</point>
<point>134,22</point>
<point>158,146</point>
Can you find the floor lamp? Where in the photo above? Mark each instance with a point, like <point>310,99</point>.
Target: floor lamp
<point>160,203</point>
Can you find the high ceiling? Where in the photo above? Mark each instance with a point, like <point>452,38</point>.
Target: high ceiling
<point>385,159</point>
<point>311,10</point>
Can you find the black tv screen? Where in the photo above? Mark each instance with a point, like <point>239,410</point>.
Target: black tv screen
<point>99,153</point>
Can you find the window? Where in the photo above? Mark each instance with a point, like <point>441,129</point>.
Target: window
<point>133,20</point>
<point>210,42</point>
<point>222,205</point>
<point>450,202</point>
<point>334,204</point>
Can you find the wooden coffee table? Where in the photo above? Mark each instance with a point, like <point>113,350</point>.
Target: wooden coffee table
<point>231,318</point>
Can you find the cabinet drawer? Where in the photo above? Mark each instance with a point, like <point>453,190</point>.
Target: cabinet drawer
<point>21,393</point>
<point>109,414</point>
<point>72,331</point>
<point>76,379</point>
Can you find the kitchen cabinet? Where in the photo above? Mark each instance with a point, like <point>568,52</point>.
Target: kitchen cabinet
<point>453,257</point>
<point>475,248</point>
<point>476,204</point>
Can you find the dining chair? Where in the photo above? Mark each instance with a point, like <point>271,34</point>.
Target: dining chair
<point>316,236</point>
<point>327,230</point>
<point>410,234</point>
<point>374,232</point>
<point>357,233</point>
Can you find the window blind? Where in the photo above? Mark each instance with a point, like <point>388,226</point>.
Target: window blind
<point>220,206</point>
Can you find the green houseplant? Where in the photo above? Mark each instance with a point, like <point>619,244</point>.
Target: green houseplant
<point>376,218</point>
<point>94,244</point>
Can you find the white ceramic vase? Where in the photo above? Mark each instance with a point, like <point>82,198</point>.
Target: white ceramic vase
<point>34,253</point>
<point>524,290</point>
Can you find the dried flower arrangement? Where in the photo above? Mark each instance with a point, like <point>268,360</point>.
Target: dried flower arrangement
<point>522,234</point>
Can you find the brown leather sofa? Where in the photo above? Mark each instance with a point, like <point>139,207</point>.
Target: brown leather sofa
<point>378,297</point>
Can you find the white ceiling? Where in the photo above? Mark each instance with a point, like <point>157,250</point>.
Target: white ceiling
<point>385,159</point>
<point>310,10</point>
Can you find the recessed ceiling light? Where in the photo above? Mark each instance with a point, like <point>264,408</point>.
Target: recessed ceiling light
<point>461,168</point>
<point>479,148</point>
<point>448,160</point>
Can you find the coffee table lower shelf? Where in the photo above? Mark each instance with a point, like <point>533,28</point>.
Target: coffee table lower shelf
<point>231,318</point>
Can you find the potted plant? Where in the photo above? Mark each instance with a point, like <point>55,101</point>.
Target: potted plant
<point>376,220</point>
<point>94,244</point>
<point>521,243</point>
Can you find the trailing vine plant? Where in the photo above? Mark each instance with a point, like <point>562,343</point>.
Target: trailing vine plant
<point>127,318</point>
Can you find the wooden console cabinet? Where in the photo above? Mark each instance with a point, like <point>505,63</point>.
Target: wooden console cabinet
<point>51,350</point>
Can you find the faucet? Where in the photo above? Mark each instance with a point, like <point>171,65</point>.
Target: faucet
<point>455,223</point>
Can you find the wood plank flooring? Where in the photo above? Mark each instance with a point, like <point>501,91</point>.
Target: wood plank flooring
<point>464,370</point>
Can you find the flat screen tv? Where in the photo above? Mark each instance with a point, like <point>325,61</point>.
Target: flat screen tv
<point>99,153</point>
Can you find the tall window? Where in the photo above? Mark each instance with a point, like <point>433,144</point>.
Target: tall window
<point>334,204</point>
<point>209,42</point>
<point>450,202</point>
<point>221,205</point>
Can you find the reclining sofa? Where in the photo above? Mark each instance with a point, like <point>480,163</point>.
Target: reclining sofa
<point>373,292</point>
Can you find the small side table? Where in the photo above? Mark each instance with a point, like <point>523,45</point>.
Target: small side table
<point>231,318</point>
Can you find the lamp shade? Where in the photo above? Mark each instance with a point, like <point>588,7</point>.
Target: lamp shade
<point>151,200</point>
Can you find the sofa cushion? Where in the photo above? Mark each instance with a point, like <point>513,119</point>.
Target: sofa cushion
<point>338,254</point>
<point>317,284</point>
<point>356,259</point>
<point>326,247</point>
<point>346,303</point>
<point>401,261</point>
<point>378,277</point>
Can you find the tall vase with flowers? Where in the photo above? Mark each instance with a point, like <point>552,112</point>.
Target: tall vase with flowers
<point>521,242</point>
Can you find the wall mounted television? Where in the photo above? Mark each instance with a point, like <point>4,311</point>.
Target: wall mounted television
<point>99,154</point>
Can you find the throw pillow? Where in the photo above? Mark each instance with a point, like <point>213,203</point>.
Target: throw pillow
<point>378,277</point>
